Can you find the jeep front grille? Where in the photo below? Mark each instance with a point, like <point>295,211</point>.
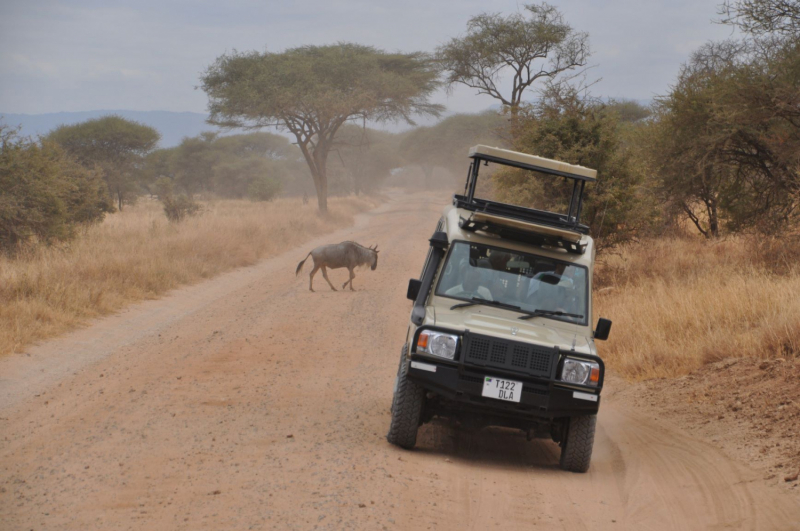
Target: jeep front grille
<point>534,360</point>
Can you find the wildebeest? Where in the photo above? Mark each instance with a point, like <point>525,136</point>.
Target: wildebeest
<point>337,255</point>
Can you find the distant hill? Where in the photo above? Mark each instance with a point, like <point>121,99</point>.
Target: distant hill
<point>173,126</point>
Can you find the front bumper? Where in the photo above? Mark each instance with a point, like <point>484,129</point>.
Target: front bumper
<point>462,385</point>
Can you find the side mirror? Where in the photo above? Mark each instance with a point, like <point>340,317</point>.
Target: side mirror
<point>603,329</point>
<point>413,289</point>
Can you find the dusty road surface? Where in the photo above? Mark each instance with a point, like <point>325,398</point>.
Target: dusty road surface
<point>248,402</point>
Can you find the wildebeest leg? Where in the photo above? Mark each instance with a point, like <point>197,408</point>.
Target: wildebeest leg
<point>311,277</point>
<point>325,274</point>
<point>350,281</point>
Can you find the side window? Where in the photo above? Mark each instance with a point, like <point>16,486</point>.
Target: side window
<point>455,267</point>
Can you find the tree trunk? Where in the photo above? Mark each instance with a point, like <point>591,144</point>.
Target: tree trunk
<point>321,160</point>
<point>713,216</point>
<point>513,110</point>
<point>317,160</point>
<point>316,164</point>
<point>713,221</point>
<point>322,195</point>
<point>320,175</point>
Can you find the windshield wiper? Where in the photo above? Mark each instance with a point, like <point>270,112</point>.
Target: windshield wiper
<point>479,300</point>
<point>538,313</point>
<point>528,315</point>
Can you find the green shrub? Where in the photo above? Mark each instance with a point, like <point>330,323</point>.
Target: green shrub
<point>263,188</point>
<point>179,208</point>
<point>44,194</point>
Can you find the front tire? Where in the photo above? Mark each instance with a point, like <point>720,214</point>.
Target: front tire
<point>406,407</point>
<point>576,446</point>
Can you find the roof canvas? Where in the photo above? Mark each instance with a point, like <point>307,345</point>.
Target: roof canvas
<point>533,162</point>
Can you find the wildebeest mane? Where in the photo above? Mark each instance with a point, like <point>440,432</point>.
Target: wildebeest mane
<point>363,255</point>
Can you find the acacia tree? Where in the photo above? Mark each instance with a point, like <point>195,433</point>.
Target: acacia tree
<point>540,45</point>
<point>115,145</point>
<point>311,91</point>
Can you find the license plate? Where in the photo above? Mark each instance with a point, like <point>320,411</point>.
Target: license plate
<point>502,389</point>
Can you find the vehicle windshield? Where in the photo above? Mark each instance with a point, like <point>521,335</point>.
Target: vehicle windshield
<point>530,282</point>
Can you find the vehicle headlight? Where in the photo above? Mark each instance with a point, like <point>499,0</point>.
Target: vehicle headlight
<point>437,344</point>
<point>580,372</point>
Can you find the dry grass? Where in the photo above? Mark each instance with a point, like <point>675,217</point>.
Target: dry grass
<point>678,304</point>
<point>136,254</point>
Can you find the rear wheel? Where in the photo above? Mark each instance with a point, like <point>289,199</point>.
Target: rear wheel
<point>576,445</point>
<point>406,407</point>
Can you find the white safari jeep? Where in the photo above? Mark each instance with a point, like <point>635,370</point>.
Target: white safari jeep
<point>500,329</point>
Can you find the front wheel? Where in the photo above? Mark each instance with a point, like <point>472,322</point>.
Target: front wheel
<point>576,446</point>
<point>406,407</point>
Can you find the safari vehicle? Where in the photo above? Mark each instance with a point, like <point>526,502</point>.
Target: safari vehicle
<point>499,333</point>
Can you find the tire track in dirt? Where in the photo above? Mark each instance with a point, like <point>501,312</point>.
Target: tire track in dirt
<point>248,402</point>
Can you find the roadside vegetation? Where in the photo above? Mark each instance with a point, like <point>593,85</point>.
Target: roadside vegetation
<point>720,276</point>
<point>137,254</point>
<point>679,303</point>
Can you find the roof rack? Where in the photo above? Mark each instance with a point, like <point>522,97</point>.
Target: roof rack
<point>534,233</point>
<point>569,222</point>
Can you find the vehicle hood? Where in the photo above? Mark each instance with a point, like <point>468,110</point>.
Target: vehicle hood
<point>500,323</point>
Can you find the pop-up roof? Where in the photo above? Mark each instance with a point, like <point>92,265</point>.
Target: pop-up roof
<point>532,162</point>
<point>543,227</point>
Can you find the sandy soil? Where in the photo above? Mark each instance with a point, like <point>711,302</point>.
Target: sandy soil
<point>748,407</point>
<point>248,402</point>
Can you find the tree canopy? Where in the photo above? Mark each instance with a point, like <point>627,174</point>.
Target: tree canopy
<point>537,44</point>
<point>254,165</point>
<point>311,91</point>
<point>629,111</point>
<point>763,17</point>
<point>44,193</point>
<point>725,141</point>
<point>568,126</point>
<point>113,144</point>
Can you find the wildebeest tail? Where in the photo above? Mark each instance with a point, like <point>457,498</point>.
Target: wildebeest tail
<point>300,265</point>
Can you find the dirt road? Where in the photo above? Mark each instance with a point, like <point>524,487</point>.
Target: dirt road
<point>248,402</point>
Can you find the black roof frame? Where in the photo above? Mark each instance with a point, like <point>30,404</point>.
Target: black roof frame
<point>570,221</point>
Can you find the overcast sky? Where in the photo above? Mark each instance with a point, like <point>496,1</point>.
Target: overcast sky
<point>148,54</point>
